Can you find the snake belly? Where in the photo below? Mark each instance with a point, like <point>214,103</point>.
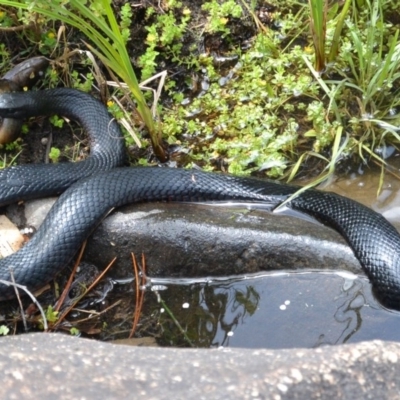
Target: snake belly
<point>375,242</point>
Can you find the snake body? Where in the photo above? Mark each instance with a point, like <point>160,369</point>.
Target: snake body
<point>40,180</point>
<point>375,242</point>
<point>22,76</point>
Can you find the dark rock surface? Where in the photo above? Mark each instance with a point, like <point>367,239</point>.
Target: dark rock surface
<point>199,240</point>
<point>49,366</point>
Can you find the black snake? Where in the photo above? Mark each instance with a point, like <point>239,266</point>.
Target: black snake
<point>101,185</point>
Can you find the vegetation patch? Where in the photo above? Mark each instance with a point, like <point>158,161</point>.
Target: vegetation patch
<point>245,91</point>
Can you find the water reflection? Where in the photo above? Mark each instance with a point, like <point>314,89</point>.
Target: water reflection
<point>236,304</point>
<point>277,310</point>
<point>282,310</point>
<point>349,313</point>
<point>364,188</point>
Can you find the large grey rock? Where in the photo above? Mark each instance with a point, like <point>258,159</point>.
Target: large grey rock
<point>199,240</point>
<point>49,366</point>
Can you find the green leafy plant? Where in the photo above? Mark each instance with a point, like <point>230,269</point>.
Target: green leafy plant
<point>56,121</point>
<point>318,13</point>
<point>166,32</point>
<point>318,23</point>
<point>219,14</point>
<point>74,331</point>
<point>54,154</point>
<point>51,315</point>
<point>4,330</point>
<point>371,87</point>
<point>96,20</point>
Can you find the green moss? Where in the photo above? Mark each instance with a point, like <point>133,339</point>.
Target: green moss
<point>166,32</point>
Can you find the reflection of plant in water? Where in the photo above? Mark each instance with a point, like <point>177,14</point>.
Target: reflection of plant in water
<point>199,321</point>
<point>214,311</point>
<point>249,301</point>
<point>349,314</point>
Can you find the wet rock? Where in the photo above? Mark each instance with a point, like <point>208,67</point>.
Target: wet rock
<point>199,240</point>
<point>49,366</point>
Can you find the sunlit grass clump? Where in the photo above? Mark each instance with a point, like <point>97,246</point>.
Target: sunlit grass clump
<point>279,106</point>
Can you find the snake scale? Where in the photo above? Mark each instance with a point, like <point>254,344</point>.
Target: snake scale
<point>93,187</point>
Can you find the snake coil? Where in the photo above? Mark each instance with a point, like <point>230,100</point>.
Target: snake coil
<point>100,186</point>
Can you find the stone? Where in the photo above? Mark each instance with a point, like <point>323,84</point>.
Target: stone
<point>191,240</point>
<point>49,366</point>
